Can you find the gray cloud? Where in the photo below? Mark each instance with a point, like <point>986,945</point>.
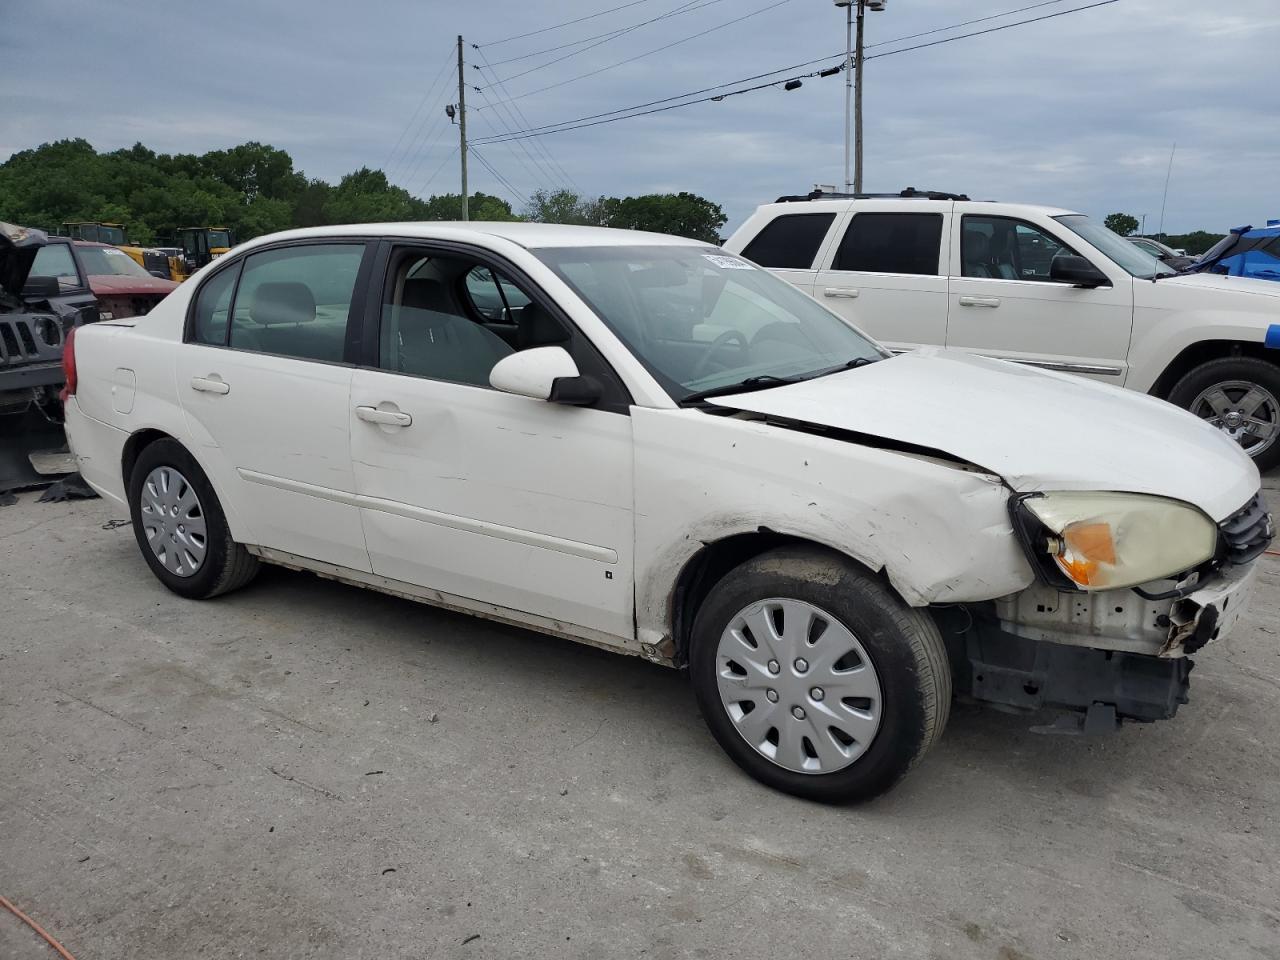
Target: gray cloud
<point>1078,111</point>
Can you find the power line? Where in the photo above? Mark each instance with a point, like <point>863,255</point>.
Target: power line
<point>540,175</point>
<point>500,178</point>
<point>649,53</point>
<point>520,118</point>
<point>566,23</point>
<point>421,103</point>
<point>449,156</point>
<point>610,117</point>
<point>690,6</point>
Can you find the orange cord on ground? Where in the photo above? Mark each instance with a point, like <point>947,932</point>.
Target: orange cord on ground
<point>62,951</point>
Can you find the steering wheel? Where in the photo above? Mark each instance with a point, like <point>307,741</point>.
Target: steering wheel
<point>718,344</point>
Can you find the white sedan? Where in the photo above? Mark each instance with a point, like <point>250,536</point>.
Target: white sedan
<point>650,445</point>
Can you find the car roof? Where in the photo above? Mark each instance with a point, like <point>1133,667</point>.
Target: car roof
<point>529,235</point>
<point>910,204</point>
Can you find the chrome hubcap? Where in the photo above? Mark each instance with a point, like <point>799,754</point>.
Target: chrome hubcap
<point>173,521</point>
<point>798,686</point>
<point>1244,411</point>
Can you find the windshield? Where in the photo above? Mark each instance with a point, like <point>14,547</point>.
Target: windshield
<point>100,261</point>
<point>699,318</point>
<point>1131,258</point>
<point>219,238</point>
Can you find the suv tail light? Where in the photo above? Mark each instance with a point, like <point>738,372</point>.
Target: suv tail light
<point>69,364</point>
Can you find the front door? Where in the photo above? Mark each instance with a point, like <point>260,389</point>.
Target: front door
<point>887,276</point>
<point>1004,304</point>
<point>266,392</point>
<point>493,498</point>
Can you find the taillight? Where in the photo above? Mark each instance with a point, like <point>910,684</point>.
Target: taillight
<point>69,364</point>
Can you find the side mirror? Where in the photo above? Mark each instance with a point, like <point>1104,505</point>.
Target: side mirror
<point>544,373</point>
<point>41,288</point>
<point>1078,271</point>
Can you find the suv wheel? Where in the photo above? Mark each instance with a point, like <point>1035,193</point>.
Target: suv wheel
<point>1241,397</point>
<point>180,527</point>
<point>815,678</point>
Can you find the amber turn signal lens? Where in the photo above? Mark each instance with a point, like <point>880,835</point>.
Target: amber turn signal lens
<point>1086,549</point>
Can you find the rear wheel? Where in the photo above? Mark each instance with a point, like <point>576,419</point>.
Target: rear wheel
<point>1241,397</point>
<point>815,678</point>
<point>180,526</point>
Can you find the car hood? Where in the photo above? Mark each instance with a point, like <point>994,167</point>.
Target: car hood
<point>1221,287</point>
<point>119,285</point>
<point>1038,430</point>
<point>18,247</point>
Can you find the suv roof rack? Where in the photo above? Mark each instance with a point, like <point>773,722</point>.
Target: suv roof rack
<point>910,192</point>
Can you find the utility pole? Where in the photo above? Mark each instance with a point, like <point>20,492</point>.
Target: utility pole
<point>857,106</point>
<point>853,84</point>
<point>462,128</point>
<point>848,82</point>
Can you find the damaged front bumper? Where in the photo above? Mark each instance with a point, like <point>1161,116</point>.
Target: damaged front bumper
<point>1108,656</point>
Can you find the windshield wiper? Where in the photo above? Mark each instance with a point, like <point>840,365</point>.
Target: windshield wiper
<point>760,382</point>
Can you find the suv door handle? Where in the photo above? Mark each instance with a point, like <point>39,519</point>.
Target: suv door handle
<point>848,293</point>
<point>210,384</point>
<point>979,301</point>
<point>390,418</point>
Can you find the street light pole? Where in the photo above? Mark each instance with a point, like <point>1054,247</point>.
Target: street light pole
<point>853,85</point>
<point>848,81</point>
<point>462,129</point>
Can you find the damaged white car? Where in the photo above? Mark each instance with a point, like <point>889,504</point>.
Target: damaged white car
<point>650,445</point>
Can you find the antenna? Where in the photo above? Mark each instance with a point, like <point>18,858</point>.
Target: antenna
<point>1167,175</point>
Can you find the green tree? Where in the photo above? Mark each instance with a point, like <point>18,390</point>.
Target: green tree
<point>480,206</point>
<point>681,214</point>
<point>565,206</point>
<point>1121,223</point>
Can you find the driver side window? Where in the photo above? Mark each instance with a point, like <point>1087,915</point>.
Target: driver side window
<point>1001,248</point>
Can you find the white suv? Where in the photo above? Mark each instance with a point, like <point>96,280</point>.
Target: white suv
<point>1037,285</point>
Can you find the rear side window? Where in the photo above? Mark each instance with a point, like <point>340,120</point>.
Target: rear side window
<point>213,305</point>
<point>892,243</point>
<point>295,301</point>
<point>55,260</point>
<point>790,241</point>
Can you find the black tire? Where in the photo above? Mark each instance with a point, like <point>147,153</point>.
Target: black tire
<point>904,645</point>
<point>1246,369</point>
<point>227,565</point>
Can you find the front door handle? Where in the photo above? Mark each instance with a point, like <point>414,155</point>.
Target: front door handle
<point>979,301</point>
<point>389,418</point>
<point>210,384</point>
<point>847,293</point>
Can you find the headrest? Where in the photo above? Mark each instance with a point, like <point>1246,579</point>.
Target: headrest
<point>977,248</point>
<point>282,302</point>
<point>424,293</point>
<point>537,328</point>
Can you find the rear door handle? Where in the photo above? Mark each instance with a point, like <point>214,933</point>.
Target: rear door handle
<point>210,384</point>
<point>390,418</point>
<point>848,293</point>
<point>979,301</point>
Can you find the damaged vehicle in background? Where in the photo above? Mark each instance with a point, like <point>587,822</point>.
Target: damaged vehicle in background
<point>36,315</point>
<point>121,287</point>
<point>656,447</point>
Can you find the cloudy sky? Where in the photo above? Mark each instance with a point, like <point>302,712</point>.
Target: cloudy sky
<point>1079,110</point>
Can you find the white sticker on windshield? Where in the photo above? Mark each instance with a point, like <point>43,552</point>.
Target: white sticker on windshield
<point>113,252</point>
<point>727,263</point>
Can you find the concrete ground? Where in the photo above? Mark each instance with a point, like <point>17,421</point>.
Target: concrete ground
<point>303,769</point>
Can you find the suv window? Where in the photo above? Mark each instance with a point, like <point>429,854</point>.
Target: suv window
<point>790,241</point>
<point>448,318</point>
<point>55,260</point>
<point>1002,248</point>
<point>294,302</point>
<point>892,243</point>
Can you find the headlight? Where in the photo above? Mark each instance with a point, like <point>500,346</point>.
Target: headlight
<point>1107,541</point>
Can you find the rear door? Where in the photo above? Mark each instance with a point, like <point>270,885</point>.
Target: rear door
<point>1003,303</point>
<point>265,383</point>
<point>887,274</point>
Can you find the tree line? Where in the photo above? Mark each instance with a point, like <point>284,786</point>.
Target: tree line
<point>1195,243</point>
<point>254,189</point>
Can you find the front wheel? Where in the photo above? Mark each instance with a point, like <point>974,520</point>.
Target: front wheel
<point>1241,397</point>
<point>815,678</point>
